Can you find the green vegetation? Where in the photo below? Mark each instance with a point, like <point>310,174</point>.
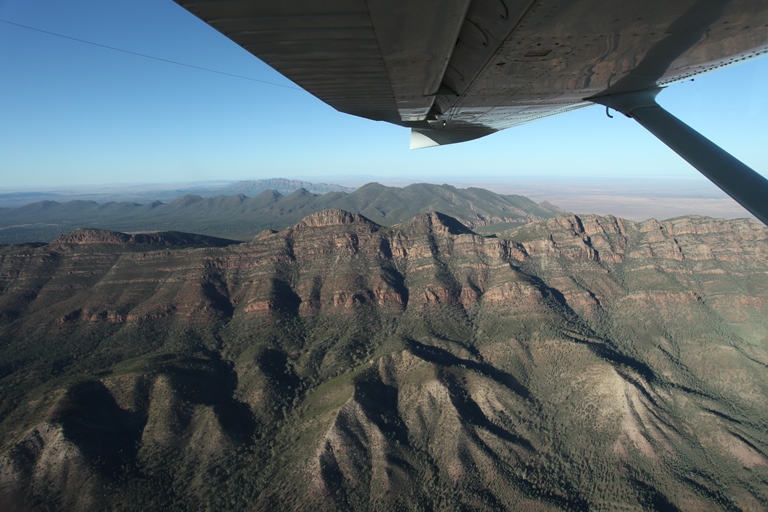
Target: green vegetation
<point>241,218</point>
<point>579,363</point>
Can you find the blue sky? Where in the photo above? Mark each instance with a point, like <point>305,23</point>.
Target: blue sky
<point>77,114</point>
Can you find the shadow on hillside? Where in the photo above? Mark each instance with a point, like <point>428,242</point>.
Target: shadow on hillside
<point>379,403</point>
<point>213,383</point>
<point>442,357</point>
<point>106,435</point>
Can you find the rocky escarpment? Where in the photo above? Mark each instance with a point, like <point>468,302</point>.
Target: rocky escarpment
<point>86,236</point>
<point>579,362</point>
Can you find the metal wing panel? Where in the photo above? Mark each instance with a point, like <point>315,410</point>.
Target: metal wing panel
<point>456,65</point>
<point>328,48</point>
<point>416,40</point>
<point>378,59</point>
<point>560,53</point>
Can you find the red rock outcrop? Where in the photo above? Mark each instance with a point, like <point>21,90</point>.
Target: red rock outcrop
<point>335,361</point>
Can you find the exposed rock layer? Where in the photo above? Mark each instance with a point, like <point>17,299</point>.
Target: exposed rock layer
<point>582,361</point>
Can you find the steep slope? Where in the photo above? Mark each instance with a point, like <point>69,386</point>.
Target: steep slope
<point>579,363</point>
<point>241,217</point>
<point>472,206</point>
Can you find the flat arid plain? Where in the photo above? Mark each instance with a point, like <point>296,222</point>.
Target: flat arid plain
<point>629,198</point>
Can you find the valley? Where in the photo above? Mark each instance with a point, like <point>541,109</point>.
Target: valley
<point>575,362</point>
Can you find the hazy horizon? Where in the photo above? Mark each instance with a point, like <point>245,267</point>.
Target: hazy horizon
<point>633,198</point>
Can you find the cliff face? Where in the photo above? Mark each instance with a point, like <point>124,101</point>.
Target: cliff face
<point>581,361</point>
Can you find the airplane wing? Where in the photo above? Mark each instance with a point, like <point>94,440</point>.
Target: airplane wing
<point>456,70</point>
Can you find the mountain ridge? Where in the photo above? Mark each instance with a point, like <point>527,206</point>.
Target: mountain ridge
<point>242,217</point>
<point>167,193</point>
<point>577,362</point>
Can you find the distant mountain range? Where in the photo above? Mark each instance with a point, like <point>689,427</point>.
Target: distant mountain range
<point>571,363</point>
<point>241,216</point>
<point>281,185</point>
<point>164,193</point>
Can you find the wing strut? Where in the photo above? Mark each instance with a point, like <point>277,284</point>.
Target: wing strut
<point>737,180</point>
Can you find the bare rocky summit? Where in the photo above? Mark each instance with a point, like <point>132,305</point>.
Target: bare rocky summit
<point>579,362</point>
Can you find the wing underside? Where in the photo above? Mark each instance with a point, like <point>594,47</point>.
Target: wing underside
<point>458,69</point>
